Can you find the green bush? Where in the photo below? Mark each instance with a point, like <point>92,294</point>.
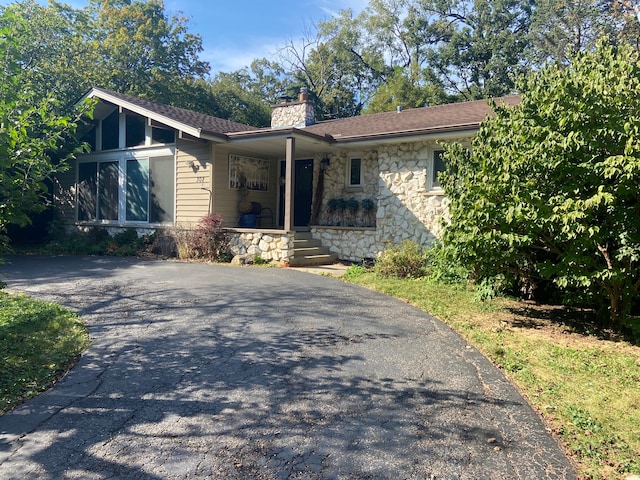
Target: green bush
<point>355,271</point>
<point>407,260</point>
<point>97,241</point>
<point>443,265</point>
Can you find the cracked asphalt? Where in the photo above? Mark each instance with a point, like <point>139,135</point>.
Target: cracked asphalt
<point>200,371</point>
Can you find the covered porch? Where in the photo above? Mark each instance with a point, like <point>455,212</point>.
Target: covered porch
<point>273,194</point>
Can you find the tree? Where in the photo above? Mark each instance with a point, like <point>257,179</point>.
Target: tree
<point>35,141</point>
<point>562,28</point>
<point>550,187</point>
<point>142,51</point>
<point>481,54</point>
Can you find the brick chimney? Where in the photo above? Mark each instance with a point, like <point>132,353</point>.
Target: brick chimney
<point>289,114</point>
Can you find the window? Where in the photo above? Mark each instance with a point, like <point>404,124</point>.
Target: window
<point>98,191</point>
<point>111,131</point>
<point>130,130</point>
<point>162,135</point>
<point>87,133</point>
<point>135,126</point>
<point>437,167</point>
<point>354,172</point>
<point>145,194</point>
<point>150,195</point>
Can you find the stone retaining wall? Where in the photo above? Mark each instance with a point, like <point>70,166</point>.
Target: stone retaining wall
<point>276,246</point>
<point>353,244</point>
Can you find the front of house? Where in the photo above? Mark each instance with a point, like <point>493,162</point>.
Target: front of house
<point>298,192</point>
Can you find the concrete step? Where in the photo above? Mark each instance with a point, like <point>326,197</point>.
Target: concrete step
<point>306,243</point>
<point>311,260</point>
<point>314,250</point>
<point>308,251</point>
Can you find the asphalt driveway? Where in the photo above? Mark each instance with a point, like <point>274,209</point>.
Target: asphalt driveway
<point>200,371</point>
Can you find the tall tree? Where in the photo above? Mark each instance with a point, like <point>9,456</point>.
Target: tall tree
<point>482,53</point>
<point>336,63</point>
<point>35,140</point>
<point>245,95</point>
<point>142,51</point>
<point>549,189</point>
<point>561,28</point>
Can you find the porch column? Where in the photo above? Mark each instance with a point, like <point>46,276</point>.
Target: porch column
<point>288,187</point>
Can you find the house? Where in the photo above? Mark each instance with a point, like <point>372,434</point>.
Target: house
<point>309,191</point>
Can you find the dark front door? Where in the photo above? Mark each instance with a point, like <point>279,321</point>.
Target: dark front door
<point>302,193</point>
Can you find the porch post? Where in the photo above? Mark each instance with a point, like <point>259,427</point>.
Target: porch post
<point>288,188</point>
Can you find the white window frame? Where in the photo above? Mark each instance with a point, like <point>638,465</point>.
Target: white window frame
<point>121,157</point>
<point>348,172</point>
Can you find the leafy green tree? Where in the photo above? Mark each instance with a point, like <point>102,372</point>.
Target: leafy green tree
<point>481,53</point>
<point>561,28</point>
<point>35,141</point>
<point>549,189</point>
<point>54,53</point>
<point>142,51</point>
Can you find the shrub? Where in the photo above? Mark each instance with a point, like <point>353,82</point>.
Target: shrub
<point>407,260</point>
<point>209,240</point>
<point>443,265</point>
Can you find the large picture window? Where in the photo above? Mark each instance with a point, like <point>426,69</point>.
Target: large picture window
<point>98,191</point>
<point>145,194</point>
<point>150,196</point>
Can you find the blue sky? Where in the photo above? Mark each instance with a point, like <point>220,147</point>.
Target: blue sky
<point>238,31</point>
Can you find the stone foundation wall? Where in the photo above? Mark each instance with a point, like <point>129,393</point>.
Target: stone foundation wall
<point>271,246</point>
<point>353,244</point>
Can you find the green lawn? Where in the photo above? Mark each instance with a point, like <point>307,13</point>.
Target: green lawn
<point>585,385</point>
<point>39,342</point>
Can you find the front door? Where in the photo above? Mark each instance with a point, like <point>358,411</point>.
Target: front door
<point>302,193</point>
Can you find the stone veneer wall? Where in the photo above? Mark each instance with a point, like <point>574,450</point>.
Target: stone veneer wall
<point>276,246</point>
<point>350,243</point>
<point>406,209</point>
<point>396,177</point>
<point>292,114</point>
<point>335,182</point>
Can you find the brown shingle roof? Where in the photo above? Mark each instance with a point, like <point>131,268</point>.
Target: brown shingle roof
<point>416,121</point>
<point>439,118</point>
<point>195,120</point>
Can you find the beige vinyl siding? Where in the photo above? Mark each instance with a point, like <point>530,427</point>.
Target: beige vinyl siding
<point>226,199</point>
<point>64,195</point>
<point>192,201</point>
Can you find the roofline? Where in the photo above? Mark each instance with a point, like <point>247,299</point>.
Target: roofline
<point>248,135</point>
<point>195,132</point>
<point>467,127</point>
<point>437,134</point>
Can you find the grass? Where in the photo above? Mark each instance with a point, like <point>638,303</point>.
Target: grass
<point>39,342</point>
<point>583,381</point>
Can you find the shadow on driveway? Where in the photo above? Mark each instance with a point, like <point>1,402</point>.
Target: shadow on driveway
<point>201,371</point>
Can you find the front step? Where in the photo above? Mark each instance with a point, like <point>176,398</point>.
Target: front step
<point>309,252</point>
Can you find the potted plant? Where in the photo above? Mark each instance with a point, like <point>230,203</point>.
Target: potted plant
<point>351,205</point>
<point>368,206</point>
